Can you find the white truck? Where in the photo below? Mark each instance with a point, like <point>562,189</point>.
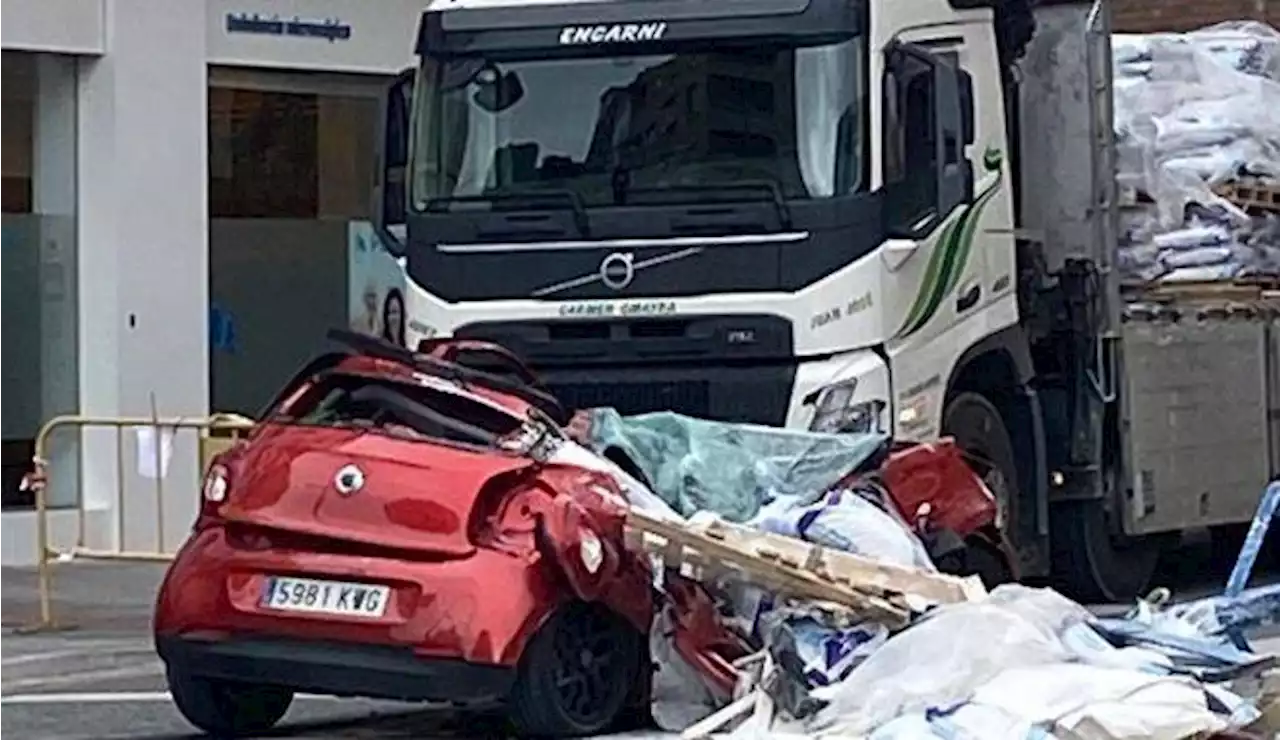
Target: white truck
<point>836,214</point>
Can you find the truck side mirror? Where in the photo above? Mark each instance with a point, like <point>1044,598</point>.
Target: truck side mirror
<point>391,183</point>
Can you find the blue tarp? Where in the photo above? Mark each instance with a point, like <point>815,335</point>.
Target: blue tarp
<point>729,469</point>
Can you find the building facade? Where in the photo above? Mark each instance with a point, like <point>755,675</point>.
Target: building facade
<point>180,180</point>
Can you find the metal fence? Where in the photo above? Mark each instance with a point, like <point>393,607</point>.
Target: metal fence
<point>215,434</point>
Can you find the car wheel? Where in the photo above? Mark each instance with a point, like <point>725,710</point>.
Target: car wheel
<point>577,674</point>
<point>226,709</point>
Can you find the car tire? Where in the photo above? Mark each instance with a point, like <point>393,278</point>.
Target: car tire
<point>577,674</point>
<point>225,709</point>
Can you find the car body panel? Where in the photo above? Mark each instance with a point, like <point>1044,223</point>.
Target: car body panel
<point>481,609</point>
<point>409,499</point>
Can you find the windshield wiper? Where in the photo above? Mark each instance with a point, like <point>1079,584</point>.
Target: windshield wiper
<point>540,200</point>
<point>765,189</point>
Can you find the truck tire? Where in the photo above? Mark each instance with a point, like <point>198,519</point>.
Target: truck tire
<point>1093,565</point>
<point>979,430</point>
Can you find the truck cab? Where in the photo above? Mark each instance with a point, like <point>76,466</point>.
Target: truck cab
<point>842,215</point>
<point>696,206</point>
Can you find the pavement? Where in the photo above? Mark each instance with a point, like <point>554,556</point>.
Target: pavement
<point>97,677</point>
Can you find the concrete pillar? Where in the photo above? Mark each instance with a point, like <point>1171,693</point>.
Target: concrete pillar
<point>143,239</point>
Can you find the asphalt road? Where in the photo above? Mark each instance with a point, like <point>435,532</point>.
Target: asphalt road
<point>102,680</point>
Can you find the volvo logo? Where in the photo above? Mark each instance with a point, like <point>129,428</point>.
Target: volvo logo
<point>349,480</point>
<point>618,270</point>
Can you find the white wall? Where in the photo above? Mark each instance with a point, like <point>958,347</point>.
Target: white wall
<point>369,35</point>
<point>68,26</point>
<point>144,248</point>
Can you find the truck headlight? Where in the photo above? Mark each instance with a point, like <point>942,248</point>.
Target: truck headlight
<point>836,412</point>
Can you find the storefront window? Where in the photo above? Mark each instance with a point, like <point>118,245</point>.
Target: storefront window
<point>291,164</point>
<point>17,122</point>
<point>38,270</point>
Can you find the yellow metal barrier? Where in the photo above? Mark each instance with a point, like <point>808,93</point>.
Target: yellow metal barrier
<point>216,433</point>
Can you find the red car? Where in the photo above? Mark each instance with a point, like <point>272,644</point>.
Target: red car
<point>394,529</point>
<point>397,528</point>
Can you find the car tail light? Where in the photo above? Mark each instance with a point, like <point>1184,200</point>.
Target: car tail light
<point>213,493</point>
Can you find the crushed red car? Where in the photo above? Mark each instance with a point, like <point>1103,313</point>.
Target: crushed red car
<point>397,526</point>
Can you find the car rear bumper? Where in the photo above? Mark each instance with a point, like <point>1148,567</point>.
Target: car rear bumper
<point>376,671</point>
<point>446,609</point>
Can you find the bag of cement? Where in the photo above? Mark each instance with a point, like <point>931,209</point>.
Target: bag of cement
<point>944,658</point>
<point>846,521</point>
<point>828,654</point>
<point>1195,236</point>
<point>1206,274</point>
<point>1197,257</point>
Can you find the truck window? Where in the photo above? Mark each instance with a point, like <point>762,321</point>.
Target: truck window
<point>911,151</point>
<point>606,127</point>
<point>926,125</point>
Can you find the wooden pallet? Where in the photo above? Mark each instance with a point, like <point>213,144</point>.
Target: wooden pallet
<point>1251,194</point>
<point>887,593</point>
<point>1218,291</point>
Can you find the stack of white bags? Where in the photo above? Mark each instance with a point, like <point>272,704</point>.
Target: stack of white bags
<point>1192,111</point>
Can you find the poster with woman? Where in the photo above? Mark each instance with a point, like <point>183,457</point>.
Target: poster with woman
<point>375,285</point>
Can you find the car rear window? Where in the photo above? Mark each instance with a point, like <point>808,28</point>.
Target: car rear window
<point>398,408</point>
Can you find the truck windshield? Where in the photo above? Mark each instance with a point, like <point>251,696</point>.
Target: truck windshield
<point>619,129</point>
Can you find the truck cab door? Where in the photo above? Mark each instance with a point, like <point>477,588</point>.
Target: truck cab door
<point>391,179</point>
<point>926,177</point>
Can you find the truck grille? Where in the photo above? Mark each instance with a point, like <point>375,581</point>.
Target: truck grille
<point>689,397</point>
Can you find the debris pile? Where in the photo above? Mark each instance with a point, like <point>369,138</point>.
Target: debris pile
<point>1198,153</point>
<point>799,598</point>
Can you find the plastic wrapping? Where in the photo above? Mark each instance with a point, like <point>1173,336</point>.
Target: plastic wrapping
<point>1025,663</point>
<point>679,696</point>
<point>729,469</point>
<point>1124,704</point>
<point>1192,111</point>
<point>848,521</point>
<point>939,661</point>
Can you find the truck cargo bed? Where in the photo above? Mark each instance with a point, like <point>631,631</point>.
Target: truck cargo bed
<point>1200,384</point>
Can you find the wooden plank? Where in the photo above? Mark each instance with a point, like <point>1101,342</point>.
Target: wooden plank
<point>792,582</point>
<point>840,566</point>
<point>1261,293</point>
<point>804,570</point>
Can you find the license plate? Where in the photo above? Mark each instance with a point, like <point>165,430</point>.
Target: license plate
<point>325,597</point>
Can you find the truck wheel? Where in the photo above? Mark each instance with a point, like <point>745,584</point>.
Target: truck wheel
<point>978,429</point>
<point>227,709</point>
<point>1093,565</point>
<point>577,674</point>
